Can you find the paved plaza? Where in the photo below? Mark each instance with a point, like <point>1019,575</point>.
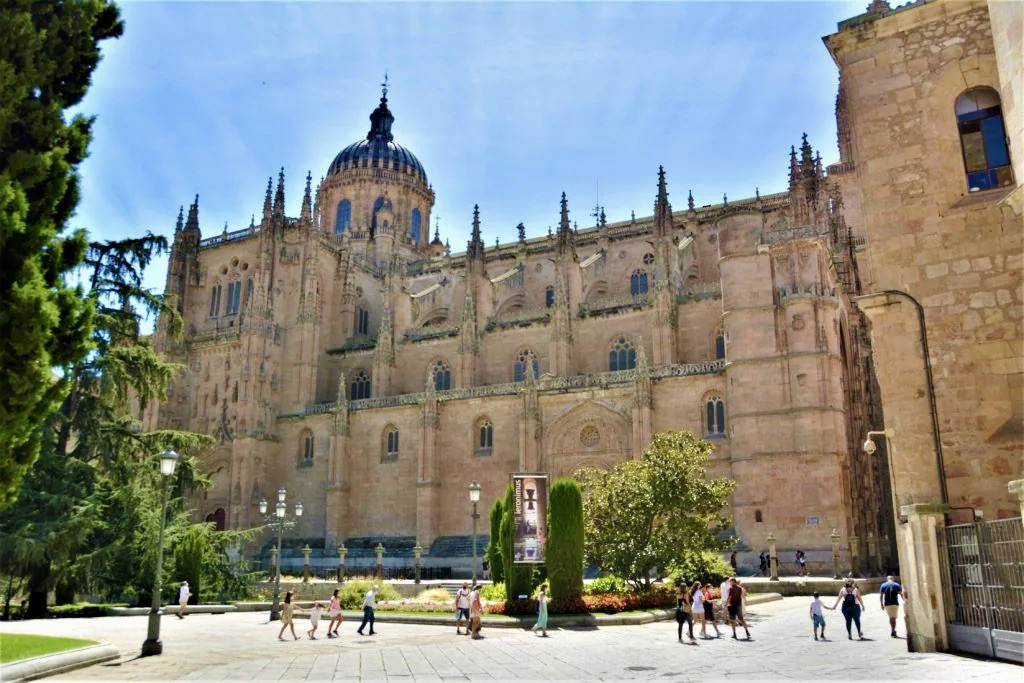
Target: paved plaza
<point>243,646</point>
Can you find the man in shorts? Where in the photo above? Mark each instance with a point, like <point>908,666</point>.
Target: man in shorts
<point>183,595</point>
<point>889,593</point>
<point>462,608</point>
<point>735,606</point>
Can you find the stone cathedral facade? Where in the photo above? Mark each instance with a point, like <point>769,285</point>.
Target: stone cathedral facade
<point>350,356</point>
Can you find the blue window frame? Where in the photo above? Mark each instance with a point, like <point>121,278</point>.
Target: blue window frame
<point>344,217</point>
<point>215,301</point>
<point>415,225</point>
<point>234,297</point>
<point>983,139</point>
<point>360,386</point>
<point>362,322</point>
<point>715,416</point>
<point>622,355</point>
<point>392,444</point>
<point>524,360</point>
<point>720,346</point>
<point>549,297</point>
<point>442,377</point>
<point>638,283</point>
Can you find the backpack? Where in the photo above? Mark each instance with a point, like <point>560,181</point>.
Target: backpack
<point>849,599</point>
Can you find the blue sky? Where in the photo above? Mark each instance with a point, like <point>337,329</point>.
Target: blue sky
<point>506,105</point>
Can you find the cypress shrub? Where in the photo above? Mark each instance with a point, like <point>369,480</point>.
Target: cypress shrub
<point>494,554</point>
<point>564,547</point>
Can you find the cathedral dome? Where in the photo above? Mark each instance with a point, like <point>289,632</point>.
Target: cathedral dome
<point>378,150</point>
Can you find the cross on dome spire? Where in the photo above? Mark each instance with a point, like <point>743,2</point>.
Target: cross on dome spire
<point>384,87</point>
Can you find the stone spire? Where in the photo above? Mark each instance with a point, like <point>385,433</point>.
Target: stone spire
<point>181,222</point>
<point>566,240</point>
<point>341,407</point>
<point>475,249</point>
<point>316,206</point>
<point>191,230</point>
<point>278,210</point>
<point>794,168</point>
<point>806,158</point>
<point>521,229</point>
<point>307,201</point>
<point>662,209</point>
<point>267,207</point>
<point>690,205</point>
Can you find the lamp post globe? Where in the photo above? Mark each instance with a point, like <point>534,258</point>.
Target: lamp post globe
<point>474,498</point>
<point>152,645</point>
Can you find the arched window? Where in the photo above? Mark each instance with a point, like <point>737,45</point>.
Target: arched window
<point>215,301</point>
<point>979,118</point>
<point>715,416</point>
<point>638,283</point>
<point>415,223</point>
<point>378,204</point>
<point>306,446</point>
<point>622,355</point>
<point>648,259</point>
<point>362,322</point>
<point>248,292</point>
<point>344,217</point>
<point>360,386</point>
<point>442,376</point>
<point>720,345</point>
<point>390,443</point>
<point>525,359</point>
<point>484,437</point>
<point>549,297</point>
<point>234,297</point>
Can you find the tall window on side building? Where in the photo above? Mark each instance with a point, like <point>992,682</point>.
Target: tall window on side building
<point>442,376</point>
<point>390,443</point>
<point>415,225</point>
<point>306,459</point>
<point>344,218</point>
<point>638,283</point>
<point>215,301</point>
<point>360,386</point>
<point>362,322</point>
<point>622,355</point>
<point>549,297</point>
<point>979,117</point>
<point>714,414</point>
<point>234,297</point>
<point>484,437</point>
<point>720,345</point>
<point>525,359</point>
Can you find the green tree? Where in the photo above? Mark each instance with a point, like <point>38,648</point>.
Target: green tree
<point>88,511</point>
<point>563,551</point>
<point>494,556</point>
<point>47,55</point>
<point>643,515</point>
<point>518,577</point>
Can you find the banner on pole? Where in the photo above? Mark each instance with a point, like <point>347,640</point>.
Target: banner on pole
<point>530,511</point>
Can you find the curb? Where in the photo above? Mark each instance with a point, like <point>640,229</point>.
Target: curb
<point>50,665</point>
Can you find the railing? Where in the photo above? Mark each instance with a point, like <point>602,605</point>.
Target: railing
<point>225,237</point>
<point>519,318</point>
<point>841,169</point>
<point>789,234</point>
<point>700,292</point>
<point>432,332</point>
<point>216,336</point>
<point>357,343</point>
<point>607,304</point>
<point>806,291</point>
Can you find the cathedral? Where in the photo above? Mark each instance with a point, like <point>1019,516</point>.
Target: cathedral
<point>350,357</point>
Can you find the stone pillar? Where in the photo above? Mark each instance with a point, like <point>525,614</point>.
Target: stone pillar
<point>919,565</point>
<point>1016,487</point>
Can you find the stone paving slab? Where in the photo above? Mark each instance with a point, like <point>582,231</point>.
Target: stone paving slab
<point>244,647</point>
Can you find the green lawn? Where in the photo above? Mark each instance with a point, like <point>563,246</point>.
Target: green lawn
<point>15,646</point>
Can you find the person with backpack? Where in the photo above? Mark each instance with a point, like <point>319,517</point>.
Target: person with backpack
<point>684,609</point>
<point>889,594</point>
<point>849,595</point>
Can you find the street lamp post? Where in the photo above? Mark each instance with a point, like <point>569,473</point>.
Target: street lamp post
<point>835,554</point>
<point>305,563</point>
<point>152,644</point>
<point>417,551</point>
<point>280,511</point>
<point>773,559</point>
<point>474,497</point>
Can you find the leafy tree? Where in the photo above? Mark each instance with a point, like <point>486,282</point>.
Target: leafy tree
<point>89,509</point>
<point>494,556</point>
<point>564,547</point>
<point>47,55</point>
<point>642,515</point>
<point>518,577</point>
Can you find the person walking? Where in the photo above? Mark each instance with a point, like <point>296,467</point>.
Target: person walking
<point>889,593</point>
<point>462,609</point>
<point>801,563</point>
<point>369,603</point>
<point>287,617</point>
<point>334,612</point>
<point>684,607</point>
<point>183,595</point>
<point>762,563</point>
<point>314,620</point>
<point>732,561</point>
<point>735,607</point>
<point>723,594</point>
<point>542,612</point>
<point>817,617</point>
<point>697,608</point>
<point>709,610</point>
<point>476,609</point>
<point>850,596</point>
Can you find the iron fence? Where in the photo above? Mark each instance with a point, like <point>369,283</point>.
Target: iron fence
<point>984,576</point>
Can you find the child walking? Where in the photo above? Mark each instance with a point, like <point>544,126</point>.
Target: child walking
<point>817,617</point>
<point>334,612</point>
<point>542,612</point>
<point>314,620</point>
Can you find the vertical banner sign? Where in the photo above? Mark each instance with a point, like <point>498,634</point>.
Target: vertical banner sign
<point>530,499</point>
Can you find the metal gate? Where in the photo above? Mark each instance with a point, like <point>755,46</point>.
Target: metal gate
<point>983,580</point>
